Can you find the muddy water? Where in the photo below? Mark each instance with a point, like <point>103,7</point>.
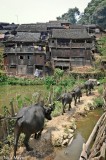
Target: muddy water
<point>84,128</point>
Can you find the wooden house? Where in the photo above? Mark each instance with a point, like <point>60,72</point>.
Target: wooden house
<point>94,29</point>
<point>24,53</point>
<point>57,24</point>
<point>70,47</point>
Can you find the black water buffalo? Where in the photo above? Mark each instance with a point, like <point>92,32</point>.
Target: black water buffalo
<point>30,120</point>
<point>66,98</point>
<point>76,93</point>
<point>88,86</point>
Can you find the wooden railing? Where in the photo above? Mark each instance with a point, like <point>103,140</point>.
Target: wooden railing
<point>97,137</point>
<point>23,50</point>
<point>71,45</point>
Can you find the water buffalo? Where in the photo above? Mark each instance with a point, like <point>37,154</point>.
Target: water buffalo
<point>76,93</point>
<point>66,98</point>
<point>30,120</point>
<point>88,86</point>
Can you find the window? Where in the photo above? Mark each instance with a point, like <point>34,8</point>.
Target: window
<point>29,57</point>
<point>13,66</point>
<point>21,57</point>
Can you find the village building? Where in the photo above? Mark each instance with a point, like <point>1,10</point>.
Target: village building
<point>94,29</point>
<point>70,47</point>
<point>46,46</point>
<point>24,54</point>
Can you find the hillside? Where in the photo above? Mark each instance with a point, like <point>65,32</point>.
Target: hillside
<point>95,13</point>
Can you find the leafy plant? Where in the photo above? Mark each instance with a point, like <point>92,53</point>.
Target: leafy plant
<point>49,81</point>
<point>19,101</point>
<point>98,102</point>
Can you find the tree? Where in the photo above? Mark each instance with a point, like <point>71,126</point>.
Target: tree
<point>70,16</point>
<point>94,13</point>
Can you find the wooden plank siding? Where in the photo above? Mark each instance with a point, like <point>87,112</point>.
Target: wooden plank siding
<point>20,63</point>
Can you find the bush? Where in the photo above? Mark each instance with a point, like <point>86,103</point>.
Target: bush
<point>98,102</point>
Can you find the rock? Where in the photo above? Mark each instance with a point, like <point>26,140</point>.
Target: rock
<point>73,127</point>
<point>65,136</point>
<point>71,130</point>
<point>65,142</point>
<point>70,141</point>
<point>57,138</point>
<point>70,136</point>
<point>87,108</point>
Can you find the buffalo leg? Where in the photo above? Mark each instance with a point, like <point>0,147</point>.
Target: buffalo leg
<point>16,138</point>
<point>89,91</point>
<point>75,101</point>
<point>79,99</point>
<point>38,135</point>
<point>86,92</point>
<point>69,106</point>
<point>26,140</point>
<point>63,109</point>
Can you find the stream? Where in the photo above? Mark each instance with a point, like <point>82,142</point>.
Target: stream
<point>84,128</point>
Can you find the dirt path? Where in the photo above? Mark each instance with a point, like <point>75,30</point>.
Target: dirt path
<point>55,129</point>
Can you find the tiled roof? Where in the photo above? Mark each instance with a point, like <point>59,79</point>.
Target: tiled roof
<point>70,33</point>
<point>41,27</point>
<point>10,27</point>
<point>57,24</point>
<point>74,26</point>
<point>53,24</point>
<point>91,25</point>
<point>38,27</point>
<point>59,21</point>
<point>26,37</point>
<point>3,31</point>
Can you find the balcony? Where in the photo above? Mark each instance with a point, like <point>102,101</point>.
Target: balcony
<point>30,49</point>
<point>59,45</point>
<point>71,45</point>
<point>81,45</point>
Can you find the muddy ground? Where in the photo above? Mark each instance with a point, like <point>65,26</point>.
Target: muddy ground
<point>58,127</point>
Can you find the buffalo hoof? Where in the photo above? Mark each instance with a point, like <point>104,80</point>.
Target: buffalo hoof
<point>37,136</point>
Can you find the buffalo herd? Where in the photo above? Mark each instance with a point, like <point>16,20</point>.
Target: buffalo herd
<point>30,120</point>
<point>76,93</point>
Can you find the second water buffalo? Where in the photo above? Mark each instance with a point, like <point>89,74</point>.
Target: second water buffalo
<point>65,98</point>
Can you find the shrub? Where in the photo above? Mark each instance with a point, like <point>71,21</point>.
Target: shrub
<point>98,102</point>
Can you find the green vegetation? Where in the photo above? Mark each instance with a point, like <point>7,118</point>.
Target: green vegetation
<point>1,58</point>
<point>102,46</point>
<point>70,16</point>
<point>94,13</point>
<point>19,81</point>
<point>98,102</point>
